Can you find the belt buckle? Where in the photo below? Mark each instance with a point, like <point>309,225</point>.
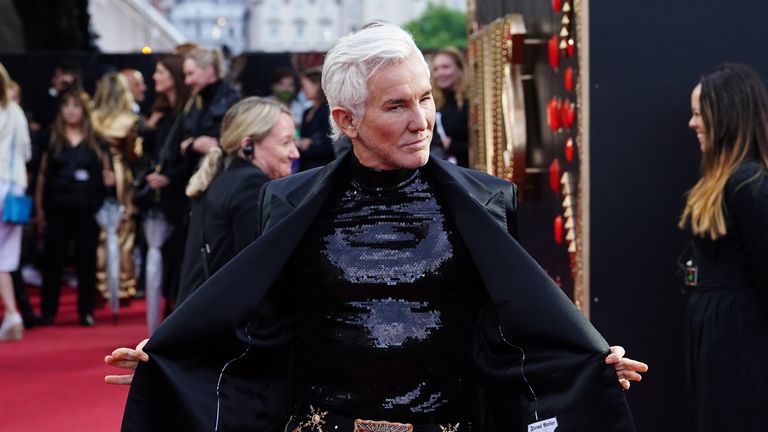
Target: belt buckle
<point>381,426</point>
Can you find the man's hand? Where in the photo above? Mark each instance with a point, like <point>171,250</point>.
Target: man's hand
<point>626,369</point>
<point>125,358</point>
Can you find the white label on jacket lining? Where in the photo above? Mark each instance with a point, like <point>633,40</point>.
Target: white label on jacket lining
<point>548,425</point>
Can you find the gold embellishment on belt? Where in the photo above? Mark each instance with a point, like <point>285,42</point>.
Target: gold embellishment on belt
<point>450,428</point>
<point>315,420</point>
<point>381,426</point>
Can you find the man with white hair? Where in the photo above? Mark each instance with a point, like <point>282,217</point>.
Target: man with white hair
<point>385,293</point>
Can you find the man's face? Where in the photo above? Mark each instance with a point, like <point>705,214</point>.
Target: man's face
<point>61,79</point>
<point>197,77</point>
<point>396,130</point>
<point>136,85</point>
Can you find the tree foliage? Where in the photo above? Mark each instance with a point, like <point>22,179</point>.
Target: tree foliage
<point>438,27</point>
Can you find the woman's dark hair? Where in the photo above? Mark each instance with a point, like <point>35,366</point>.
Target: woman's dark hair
<point>315,74</point>
<point>734,110</point>
<point>174,63</point>
<point>58,128</point>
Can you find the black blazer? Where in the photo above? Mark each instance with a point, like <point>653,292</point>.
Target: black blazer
<point>227,214</point>
<point>220,361</point>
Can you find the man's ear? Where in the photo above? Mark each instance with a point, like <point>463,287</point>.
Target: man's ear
<point>344,120</point>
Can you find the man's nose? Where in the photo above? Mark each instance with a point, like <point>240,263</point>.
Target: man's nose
<point>419,119</point>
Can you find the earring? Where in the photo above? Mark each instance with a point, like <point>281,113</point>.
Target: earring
<point>248,151</point>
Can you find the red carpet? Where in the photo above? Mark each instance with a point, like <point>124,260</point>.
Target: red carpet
<point>54,379</point>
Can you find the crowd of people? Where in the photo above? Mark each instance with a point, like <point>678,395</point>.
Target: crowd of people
<point>76,153</point>
<point>358,246</point>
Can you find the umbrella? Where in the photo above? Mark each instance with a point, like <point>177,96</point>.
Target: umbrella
<point>156,231</point>
<point>108,217</point>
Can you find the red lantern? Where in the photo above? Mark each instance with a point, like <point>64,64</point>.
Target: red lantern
<point>554,52</point>
<point>559,230</point>
<point>568,79</point>
<point>554,114</point>
<point>568,114</point>
<point>554,176</point>
<point>569,148</point>
<point>557,5</point>
<point>571,49</point>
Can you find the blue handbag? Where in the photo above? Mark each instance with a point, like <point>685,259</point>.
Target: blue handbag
<point>17,209</point>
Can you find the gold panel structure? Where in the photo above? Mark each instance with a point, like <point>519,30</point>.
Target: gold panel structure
<point>497,111</point>
<point>498,139</point>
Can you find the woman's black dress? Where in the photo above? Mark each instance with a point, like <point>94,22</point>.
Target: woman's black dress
<point>318,129</point>
<point>727,314</point>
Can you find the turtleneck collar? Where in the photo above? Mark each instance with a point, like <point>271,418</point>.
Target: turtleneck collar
<point>379,180</point>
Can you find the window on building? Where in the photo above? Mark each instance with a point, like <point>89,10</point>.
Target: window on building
<point>301,26</point>
<point>274,28</point>
<point>326,29</point>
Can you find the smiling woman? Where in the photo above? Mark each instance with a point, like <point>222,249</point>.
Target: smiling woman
<point>726,274</point>
<point>449,83</point>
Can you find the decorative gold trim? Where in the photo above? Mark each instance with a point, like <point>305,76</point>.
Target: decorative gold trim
<point>581,274</point>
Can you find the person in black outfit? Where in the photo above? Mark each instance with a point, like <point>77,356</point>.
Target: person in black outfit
<point>383,286</point>
<point>451,140</point>
<point>315,143</point>
<point>70,189</point>
<point>212,97</point>
<point>727,274</point>
<point>168,174</point>
<point>65,75</point>
<point>257,145</point>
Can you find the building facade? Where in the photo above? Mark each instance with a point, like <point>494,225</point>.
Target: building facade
<point>212,22</point>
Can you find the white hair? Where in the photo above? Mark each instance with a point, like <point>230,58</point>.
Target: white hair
<point>356,57</point>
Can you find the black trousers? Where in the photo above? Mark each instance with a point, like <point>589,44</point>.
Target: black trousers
<point>62,230</point>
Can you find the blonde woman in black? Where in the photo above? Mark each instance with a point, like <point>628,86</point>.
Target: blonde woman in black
<point>70,189</point>
<point>727,274</point>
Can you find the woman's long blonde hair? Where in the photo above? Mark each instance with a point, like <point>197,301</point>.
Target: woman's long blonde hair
<point>461,88</point>
<point>5,81</point>
<point>112,98</point>
<point>734,109</point>
<point>252,117</point>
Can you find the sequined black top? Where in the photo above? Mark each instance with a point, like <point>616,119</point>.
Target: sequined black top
<point>386,310</point>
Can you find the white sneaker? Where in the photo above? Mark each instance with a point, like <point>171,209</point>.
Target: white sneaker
<point>12,328</point>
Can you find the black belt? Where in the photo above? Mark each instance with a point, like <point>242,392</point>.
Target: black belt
<point>317,420</point>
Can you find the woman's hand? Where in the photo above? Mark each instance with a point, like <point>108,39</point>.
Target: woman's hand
<point>626,369</point>
<point>108,178</point>
<point>125,358</point>
<point>204,143</point>
<point>154,119</point>
<point>184,145</point>
<point>304,143</point>
<point>157,181</point>
<point>40,222</point>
